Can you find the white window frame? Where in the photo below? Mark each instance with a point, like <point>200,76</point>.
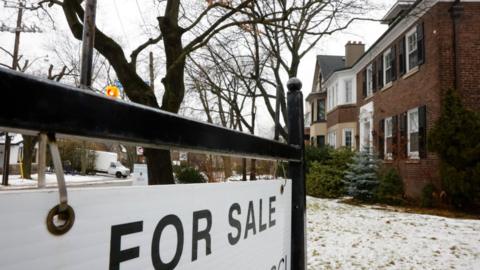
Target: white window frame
<point>348,91</point>
<point>388,134</point>
<point>414,154</point>
<point>412,32</point>
<point>369,80</point>
<point>344,137</point>
<point>335,101</point>
<point>332,139</point>
<point>387,65</point>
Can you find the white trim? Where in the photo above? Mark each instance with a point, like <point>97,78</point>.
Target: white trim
<point>415,154</point>
<point>410,33</point>
<point>369,82</point>
<point>386,54</point>
<point>344,137</point>
<point>397,31</point>
<point>347,82</point>
<point>332,139</point>
<point>388,156</point>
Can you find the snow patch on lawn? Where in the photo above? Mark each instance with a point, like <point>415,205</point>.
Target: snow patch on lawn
<point>342,236</point>
<point>16,182</point>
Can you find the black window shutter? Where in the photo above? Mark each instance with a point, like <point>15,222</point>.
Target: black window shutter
<point>403,148</point>
<point>380,71</point>
<point>381,139</point>
<point>364,88</point>
<point>420,44</point>
<point>394,62</point>
<point>422,131</point>
<point>394,136</point>
<point>374,76</point>
<point>402,56</point>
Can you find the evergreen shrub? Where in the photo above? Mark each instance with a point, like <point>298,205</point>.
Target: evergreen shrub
<point>189,175</point>
<point>455,138</point>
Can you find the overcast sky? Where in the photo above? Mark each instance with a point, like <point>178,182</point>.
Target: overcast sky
<point>130,22</point>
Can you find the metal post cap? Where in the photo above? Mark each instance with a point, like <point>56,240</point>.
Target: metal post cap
<point>294,84</point>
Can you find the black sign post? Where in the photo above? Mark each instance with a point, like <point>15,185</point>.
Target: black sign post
<point>296,172</point>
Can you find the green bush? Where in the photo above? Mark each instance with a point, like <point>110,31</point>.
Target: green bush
<point>455,138</point>
<point>189,175</point>
<point>390,189</point>
<point>317,154</point>
<point>340,158</point>
<point>324,181</point>
<point>326,168</point>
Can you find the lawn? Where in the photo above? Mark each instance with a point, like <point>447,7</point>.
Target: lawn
<point>344,236</point>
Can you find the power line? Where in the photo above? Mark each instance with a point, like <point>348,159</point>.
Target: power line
<point>144,28</point>
<point>121,23</point>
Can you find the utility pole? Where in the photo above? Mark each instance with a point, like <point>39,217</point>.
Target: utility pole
<point>88,42</point>
<point>16,46</point>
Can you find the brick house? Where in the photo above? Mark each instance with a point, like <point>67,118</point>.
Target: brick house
<point>316,100</point>
<point>430,46</point>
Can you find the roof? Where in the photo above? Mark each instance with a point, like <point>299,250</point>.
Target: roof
<point>396,10</point>
<point>330,63</point>
<point>390,28</point>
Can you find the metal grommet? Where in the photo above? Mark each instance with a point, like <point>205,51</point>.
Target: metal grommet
<point>67,215</point>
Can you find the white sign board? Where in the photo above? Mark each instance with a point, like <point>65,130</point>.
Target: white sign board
<point>204,226</point>
<point>140,175</point>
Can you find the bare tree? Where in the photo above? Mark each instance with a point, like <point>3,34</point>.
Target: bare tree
<point>177,24</point>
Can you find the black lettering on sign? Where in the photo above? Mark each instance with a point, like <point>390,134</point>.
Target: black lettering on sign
<point>158,264</point>
<point>271,222</point>
<point>263,227</point>
<point>235,223</point>
<point>250,220</point>
<point>199,235</point>
<point>116,254</point>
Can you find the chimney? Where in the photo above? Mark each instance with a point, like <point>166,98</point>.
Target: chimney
<point>353,51</point>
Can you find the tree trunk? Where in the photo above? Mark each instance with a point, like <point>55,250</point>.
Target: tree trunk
<point>160,170</point>
<point>227,166</point>
<point>253,169</point>
<point>244,169</point>
<point>28,151</point>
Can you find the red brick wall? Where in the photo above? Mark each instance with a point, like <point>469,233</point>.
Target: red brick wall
<point>469,53</point>
<point>342,114</point>
<point>425,86</point>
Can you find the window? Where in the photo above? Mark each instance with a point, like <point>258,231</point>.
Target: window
<point>332,97</point>
<point>387,66</point>
<point>320,110</point>
<point>412,49</point>
<point>413,134</point>
<point>388,148</point>
<point>369,80</point>
<point>332,139</point>
<point>329,98</point>
<point>348,137</point>
<point>335,94</point>
<point>320,141</point>
<point>312,106</point>
<point>348,91</point>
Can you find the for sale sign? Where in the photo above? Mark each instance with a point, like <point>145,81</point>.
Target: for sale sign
<point>209,226</point>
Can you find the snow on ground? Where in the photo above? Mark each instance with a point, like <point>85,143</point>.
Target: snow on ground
<point>342,236</point>
<point>16,182</point>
